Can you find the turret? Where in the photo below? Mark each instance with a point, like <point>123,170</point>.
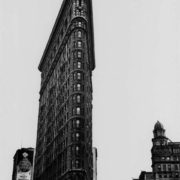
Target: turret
<point>159,134</point>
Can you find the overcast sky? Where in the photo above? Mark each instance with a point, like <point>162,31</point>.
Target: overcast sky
<point>136,81</point>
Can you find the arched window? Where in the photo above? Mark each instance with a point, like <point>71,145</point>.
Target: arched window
<point>77,123</point>
<point>77,149</point>
<point>77,13</point>
<point>74,87</point>
<point>79,65</point>
<point>82,12</point>
<point>74,99</point>
<point>78,87</point>
<point>77,136</point>
<point>78,110</point>
<point>79,76</point>
<point>79,24</point>
<point>74,76</point>
<point>79,54</point>
<point>77,164</point>
<point>79,34</point>
<point>79,45</point>
<point>78,98</point>
<point>74,111</point>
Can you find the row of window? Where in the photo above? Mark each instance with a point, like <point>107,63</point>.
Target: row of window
<point>168,167</point>
<point>176,150</point>
<point>80,12</point>
<point>56,47</point>
<point>63,77</point>
<point>64,56</point>
<point>62,96</point>
<point>76,75</point>
<point>64,89</point>
<point>168,158</point>
<point>79,2</point>
<point>176,175</point>
<point>73,125</point>
<point>64,112</point>
<point>77,98</point>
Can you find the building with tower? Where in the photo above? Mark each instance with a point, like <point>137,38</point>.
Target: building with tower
<point>64,134</point>
<point>165,157</point>
<point>23,164</point>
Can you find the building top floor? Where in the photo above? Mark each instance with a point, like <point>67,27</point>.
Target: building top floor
<point>69,11</point>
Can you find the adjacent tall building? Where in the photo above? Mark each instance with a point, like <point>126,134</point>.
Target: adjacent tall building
<point>64,133</point>
<point>165,157</point>
<point>23,164</point>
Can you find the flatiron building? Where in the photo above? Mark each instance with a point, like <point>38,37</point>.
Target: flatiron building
<point>64,133</point>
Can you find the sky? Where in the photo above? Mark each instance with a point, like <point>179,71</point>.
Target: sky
<point>136,81</point>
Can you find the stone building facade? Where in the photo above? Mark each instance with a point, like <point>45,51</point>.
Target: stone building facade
<point>64,133</point>
<point>165,157</point>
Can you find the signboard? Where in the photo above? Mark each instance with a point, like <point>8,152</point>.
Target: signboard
<point>24,176</point>
<point>24,168</point>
